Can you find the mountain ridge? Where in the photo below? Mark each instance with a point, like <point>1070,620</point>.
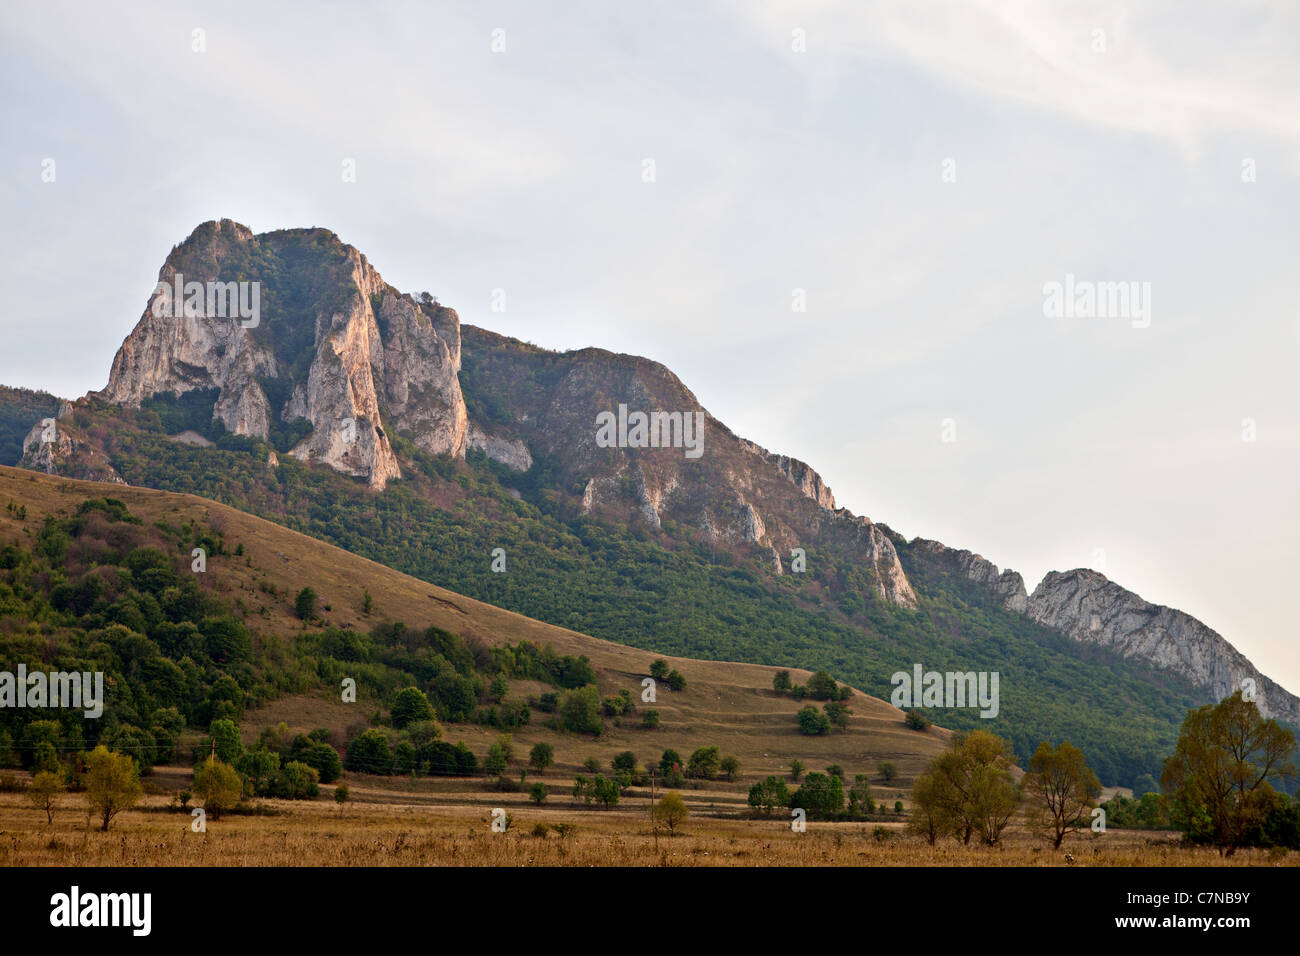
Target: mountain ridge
<point>337,338</point>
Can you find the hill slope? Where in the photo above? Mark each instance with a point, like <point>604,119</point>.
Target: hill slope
<point>725,704</point>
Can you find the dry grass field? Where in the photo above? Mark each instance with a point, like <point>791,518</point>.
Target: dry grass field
<point>400,833</point>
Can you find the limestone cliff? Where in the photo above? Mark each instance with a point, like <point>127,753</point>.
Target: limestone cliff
<point>1088,607</point>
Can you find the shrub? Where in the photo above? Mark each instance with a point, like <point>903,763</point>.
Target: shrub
<point>813,722</point>
<point>306,605</point>
<point>369,753</point>
<point>624,762</point>
<point>916,720</point>
<point>650,720</point>
<point>409,705</point>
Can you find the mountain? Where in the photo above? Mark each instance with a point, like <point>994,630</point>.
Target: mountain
<point>374,419</point>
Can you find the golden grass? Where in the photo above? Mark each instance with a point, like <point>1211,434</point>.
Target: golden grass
<point>383,834</point>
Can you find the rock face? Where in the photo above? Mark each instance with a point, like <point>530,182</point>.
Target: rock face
<point>52,447</point>
<point>342,350</point>
<point>733,492</point>
<point>1088,607</point>
<point>1008,585</point>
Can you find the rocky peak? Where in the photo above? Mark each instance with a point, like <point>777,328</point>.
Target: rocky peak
<point>337,346</point>
<point>1087,606</point>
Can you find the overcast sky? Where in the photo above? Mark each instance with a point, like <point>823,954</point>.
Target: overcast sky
<point>920,170</point>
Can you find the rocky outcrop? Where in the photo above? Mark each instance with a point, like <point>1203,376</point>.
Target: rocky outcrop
<point>419,366</point>
<point>800,474</point>
<point>511,453</point>
<point>1008,585</point>
<point>347,350</point>
<point>177,349</point>
<point>1086,606</point>
<point>54,449</point>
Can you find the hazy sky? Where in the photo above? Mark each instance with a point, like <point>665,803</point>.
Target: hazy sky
<point>794,147</point>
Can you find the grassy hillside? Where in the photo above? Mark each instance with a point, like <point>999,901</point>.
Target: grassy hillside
<point>93,583</point>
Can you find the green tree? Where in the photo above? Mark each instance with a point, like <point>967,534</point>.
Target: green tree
<point>976,780</point>
<point>676,681</point>
<point>933,807</point>
<point>659,668</point>
<point>540,757</point>
<point>1060,788</point>
<point>369,753</point>
<point>624,762</point>
<point>888,771</point>
<point>813,722</point>
<point>307,605</point>
<point>258,768</point>
<point>704,763</point>
<point>1218,779</point>
<point>796,770</point>
<point>495,764</point>
<point>409,705</point>
<point>225,735</point>
<point>822,686</point>
<point>838,713</point>
<point>580,711</point>
<point>44,791</point>
<point>605,791</point>
<point>669,811</point>
<point>821,794</point>
<point>860,801</point>
<point>538,793</point>
<point>670,766</point>
<point>342,795</point>
<point>297,781</point>
<point>112,784</point>
<point>217,786</point>
<point>650,720</point>
<point>729,767</point>
<point>768,794</point>
<point>781,682</point>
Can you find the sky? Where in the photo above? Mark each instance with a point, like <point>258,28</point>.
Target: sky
<point>835,221</point>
